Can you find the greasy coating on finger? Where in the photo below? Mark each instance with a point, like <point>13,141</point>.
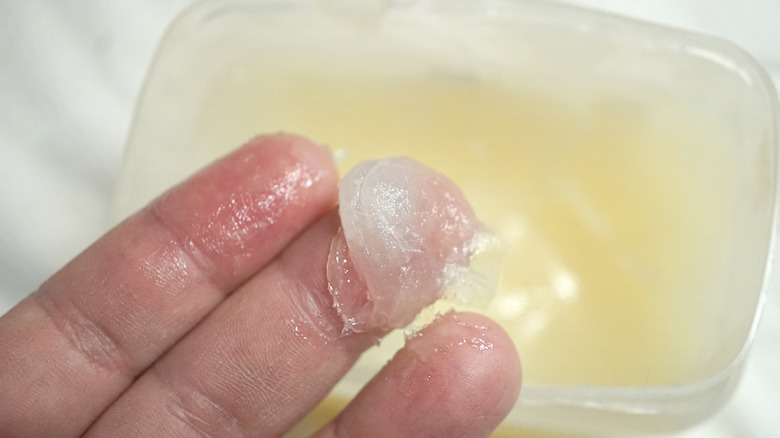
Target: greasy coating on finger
<point>459,377</point>
<point>225,213</point>
<point>82,339</point>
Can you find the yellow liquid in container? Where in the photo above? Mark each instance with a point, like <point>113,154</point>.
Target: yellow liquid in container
<point>628,168</point>
<point>611,209</point>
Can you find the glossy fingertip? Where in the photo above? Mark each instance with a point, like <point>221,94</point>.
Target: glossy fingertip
<point>458,377</point>
<point>463,365</point>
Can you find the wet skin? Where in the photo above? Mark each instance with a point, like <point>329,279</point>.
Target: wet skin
<point>209,313</point>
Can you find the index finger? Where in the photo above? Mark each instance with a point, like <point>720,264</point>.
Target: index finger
<point>72,347</point>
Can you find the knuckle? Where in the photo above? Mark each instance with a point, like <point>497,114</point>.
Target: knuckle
<point>86,336</point>
<point>202,414</point>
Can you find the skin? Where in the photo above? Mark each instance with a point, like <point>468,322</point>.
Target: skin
<point>207,314</point>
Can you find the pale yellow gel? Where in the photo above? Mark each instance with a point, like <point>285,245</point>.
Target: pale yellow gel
<point>611,210</point>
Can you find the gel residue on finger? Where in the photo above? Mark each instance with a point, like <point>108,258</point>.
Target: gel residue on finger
<point>407,234</point>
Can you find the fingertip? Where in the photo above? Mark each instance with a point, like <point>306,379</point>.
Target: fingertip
<point>306,159</point>
<point>477,366</point>
<point>303,148</point>
<point>458,377</point>
<point>274,185</point>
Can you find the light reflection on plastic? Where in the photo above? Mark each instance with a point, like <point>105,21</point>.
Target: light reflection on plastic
<point>566,286</point>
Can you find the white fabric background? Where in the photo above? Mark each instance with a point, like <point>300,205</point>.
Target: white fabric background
<point>70,71</point>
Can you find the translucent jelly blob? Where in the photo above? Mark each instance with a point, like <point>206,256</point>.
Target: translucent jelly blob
<point>407,234</point>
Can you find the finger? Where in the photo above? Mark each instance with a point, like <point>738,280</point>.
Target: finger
<point>71,348</point>
<point>458,378</point>
<point>257,364</point>
<point>273,349</point>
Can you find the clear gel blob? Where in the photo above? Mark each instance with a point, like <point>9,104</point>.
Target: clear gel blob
<point>407,234</point>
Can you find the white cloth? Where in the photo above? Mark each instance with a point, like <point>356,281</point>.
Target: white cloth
<point>70,71</point>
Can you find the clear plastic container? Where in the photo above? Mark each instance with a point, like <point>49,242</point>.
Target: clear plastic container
<point>630,168</point>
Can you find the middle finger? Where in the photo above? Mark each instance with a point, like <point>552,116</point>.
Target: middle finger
<point>240,374</point>
<point>274,349</point>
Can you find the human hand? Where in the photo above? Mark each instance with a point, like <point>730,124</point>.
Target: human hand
<point>208,314</point>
